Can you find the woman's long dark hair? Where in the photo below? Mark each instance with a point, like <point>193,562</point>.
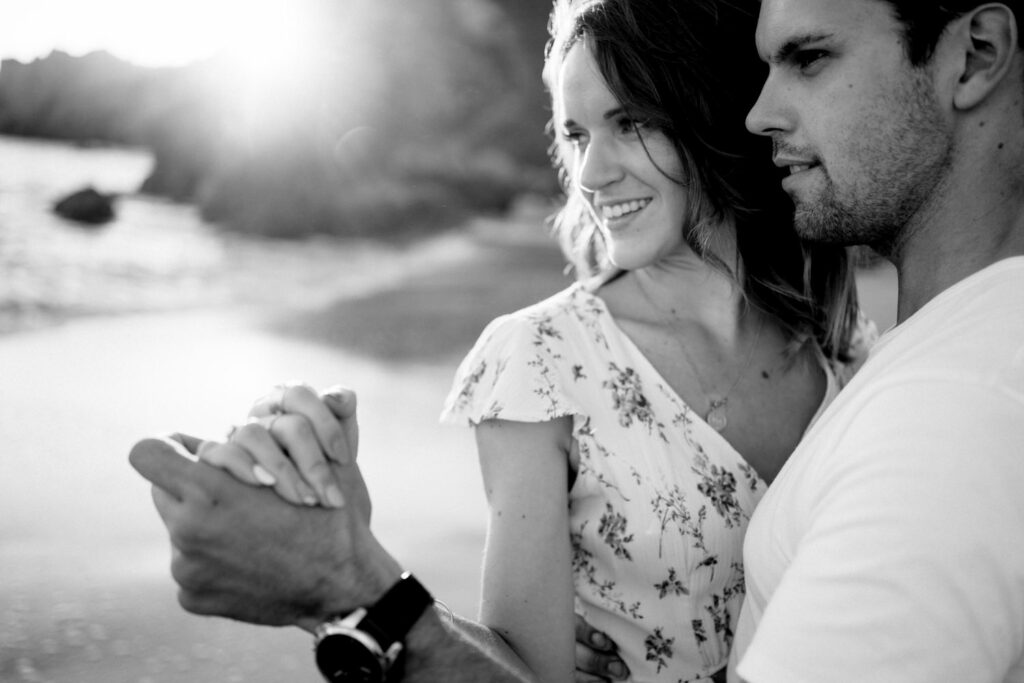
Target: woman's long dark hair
<point>690,69</point>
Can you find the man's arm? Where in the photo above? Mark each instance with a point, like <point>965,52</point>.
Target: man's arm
<point>459,651</point>
<point>243,553</point>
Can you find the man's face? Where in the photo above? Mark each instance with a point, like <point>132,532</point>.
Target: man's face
<point>859,129</point>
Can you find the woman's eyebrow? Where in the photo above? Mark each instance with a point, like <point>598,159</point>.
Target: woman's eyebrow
<point>613,113</point>
<point>607,116</point>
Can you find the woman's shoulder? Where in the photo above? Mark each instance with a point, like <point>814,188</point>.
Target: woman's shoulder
<point>512,371</point>
<point>579,296</point>
<point>570,308</point>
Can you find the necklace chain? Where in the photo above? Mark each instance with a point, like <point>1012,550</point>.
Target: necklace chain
<point>716,415</point>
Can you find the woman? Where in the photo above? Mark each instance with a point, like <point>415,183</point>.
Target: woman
<point>611,418</point>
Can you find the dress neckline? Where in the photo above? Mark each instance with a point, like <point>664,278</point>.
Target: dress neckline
<point>831,387</point>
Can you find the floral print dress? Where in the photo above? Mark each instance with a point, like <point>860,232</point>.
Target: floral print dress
<point>661,500</point>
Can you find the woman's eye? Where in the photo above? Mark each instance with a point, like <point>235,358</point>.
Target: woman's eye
<point>573,137</point>
<point>633,126</point>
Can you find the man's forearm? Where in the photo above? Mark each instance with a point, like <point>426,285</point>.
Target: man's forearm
<point>440,650</point>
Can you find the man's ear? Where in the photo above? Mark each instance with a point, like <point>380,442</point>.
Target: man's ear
<point>987,36</point>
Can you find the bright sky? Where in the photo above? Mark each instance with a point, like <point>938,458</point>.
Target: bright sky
<point>149,32</point>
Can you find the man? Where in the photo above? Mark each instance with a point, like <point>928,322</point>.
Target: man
<point>891,546</point>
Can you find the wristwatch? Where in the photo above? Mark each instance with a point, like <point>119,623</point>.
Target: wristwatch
<point>366,645</point>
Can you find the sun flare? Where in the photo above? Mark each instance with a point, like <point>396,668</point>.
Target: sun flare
<point>158,32</point>
<point>267,42</point>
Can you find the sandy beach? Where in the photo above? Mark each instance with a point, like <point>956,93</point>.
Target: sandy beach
<point>86,594</point>
<point>83,562</point>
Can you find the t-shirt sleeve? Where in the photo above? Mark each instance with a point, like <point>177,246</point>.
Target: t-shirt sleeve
<point>912,566</point>
<point>514,372</point>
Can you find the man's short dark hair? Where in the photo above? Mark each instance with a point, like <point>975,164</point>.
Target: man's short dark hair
<point>924,22</point>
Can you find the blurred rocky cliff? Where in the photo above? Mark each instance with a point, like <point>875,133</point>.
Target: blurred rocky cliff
<point>403,115</point>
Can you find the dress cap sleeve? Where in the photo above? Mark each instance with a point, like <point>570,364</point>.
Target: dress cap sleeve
<point>514,372</point>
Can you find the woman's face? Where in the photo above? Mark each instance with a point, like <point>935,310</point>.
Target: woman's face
<point>629,175</point>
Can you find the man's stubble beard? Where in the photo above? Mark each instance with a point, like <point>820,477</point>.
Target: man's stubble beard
<point>898,169</point>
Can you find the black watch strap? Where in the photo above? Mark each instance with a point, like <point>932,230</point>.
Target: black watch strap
<point>391,617</point>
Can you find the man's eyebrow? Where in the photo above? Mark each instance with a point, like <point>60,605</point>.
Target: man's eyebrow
<point>794,45</point>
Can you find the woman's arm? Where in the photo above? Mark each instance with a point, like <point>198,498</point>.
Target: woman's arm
<point>527,591</point>
<point>527,594</point>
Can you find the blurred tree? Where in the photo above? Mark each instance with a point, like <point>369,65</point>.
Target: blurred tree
<point>530,19</point>
<point>401,115</point>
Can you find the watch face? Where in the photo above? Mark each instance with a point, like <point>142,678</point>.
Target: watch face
<point>343,659</point>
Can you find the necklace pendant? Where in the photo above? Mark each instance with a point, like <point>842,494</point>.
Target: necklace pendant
<point>716,415</point>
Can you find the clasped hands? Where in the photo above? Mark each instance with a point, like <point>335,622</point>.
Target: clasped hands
<point>289,442</point>
<point>272,525</point>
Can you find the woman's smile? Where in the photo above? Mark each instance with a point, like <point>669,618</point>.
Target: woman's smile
<point>615,215</point>
<point>622,209</point>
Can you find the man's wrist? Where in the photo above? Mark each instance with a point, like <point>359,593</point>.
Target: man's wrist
<point>360,582</point>
<point>367,645</point>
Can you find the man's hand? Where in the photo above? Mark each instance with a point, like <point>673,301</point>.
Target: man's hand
<point>244,553</point>
<point>596,658</point>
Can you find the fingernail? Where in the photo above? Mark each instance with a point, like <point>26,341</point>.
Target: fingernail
<point>307,494</point>
<point>334,496</point>
<point>599,639</point>
<point>617,669</point>
<point>263,476</point>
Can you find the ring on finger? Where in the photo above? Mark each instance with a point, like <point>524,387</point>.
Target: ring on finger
<point>278,405</point>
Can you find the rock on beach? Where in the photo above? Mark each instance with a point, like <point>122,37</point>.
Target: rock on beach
<point>88,206</point>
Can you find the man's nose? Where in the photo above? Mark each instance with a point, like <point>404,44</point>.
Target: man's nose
<point>770,114</point>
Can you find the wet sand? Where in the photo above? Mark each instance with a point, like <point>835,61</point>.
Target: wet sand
<point>86,594</point>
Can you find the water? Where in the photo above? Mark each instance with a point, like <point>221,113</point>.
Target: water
<point>154,254</point>
<point>160,255</point>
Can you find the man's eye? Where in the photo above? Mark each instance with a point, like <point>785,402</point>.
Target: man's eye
<point>809,60</point>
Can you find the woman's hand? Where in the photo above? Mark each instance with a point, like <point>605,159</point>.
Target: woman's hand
<point>597,660</point>
<point>291,436</point>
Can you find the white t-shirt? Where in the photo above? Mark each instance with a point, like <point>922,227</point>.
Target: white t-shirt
<point>891,545</point>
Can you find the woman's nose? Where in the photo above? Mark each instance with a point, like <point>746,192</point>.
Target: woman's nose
<point>598,167</point>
